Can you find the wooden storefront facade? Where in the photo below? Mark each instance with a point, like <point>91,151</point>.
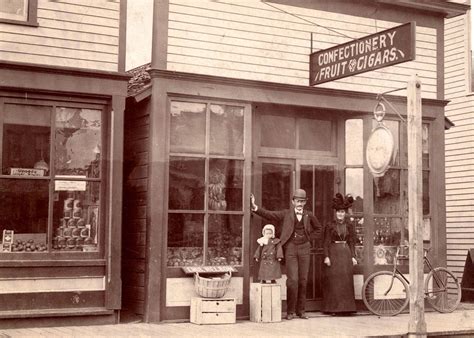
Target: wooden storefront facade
<point>222,117</point>
<point>62,98</point>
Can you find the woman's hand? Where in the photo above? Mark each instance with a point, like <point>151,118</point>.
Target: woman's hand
<point>354,261</point>
<point>327,261</point>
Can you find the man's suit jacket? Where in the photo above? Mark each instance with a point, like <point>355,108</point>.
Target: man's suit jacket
<point>286,219</point>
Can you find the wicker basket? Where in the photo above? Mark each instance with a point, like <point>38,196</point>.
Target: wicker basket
<point>212,287</point>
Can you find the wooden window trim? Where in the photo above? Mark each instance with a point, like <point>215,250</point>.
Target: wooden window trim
<point>32,16</point>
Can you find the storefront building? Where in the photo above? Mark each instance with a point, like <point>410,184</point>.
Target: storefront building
<point>62,98</point>
<point>227,112</point>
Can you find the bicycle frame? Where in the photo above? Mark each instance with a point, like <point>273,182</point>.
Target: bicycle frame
<point>426,261</point>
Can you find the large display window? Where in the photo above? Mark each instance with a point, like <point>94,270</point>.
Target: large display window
<point>385,218</point>
<point>206,171</point>
<point>51,178</point>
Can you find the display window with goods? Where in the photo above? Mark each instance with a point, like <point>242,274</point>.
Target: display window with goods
<point>51,176</point>
<point>386,221</point>
<point>206,180</point>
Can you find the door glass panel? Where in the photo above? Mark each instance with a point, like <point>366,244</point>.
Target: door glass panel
<point>315,134</point>
<point>225,184</point>
<point>225,240</point>
<point>187,127</point>
<point>307,183</point>
<point>78,142</point>
<point>186,183</point>
<point>226,136</point>
<point>426,192</point>
<point>354,142</point>
<point>276,186</point>
<point>185,239</point>
<point>278,131</point>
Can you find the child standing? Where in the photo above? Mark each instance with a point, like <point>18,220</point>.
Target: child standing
<point>270,254</point>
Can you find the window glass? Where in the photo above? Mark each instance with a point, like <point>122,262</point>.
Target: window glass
<point>426,192</point>
<point>186,183</point>
<point>76,218</point>
<point>425,146</point>
<point>225,240</point>
<point>225,184</point>
<point>226,135</point>
<point>355,187</point>
<point>315,134</point>
<point>78,142</point>
<point>26,140</point>
<point>387,192</point>
<point>14,10</point>
<point>187,127</point>
<point>24,210</point>
<point>185,239</point>
<point>278,131</point>
<point>354,142</point>
<point>389,233</point>
<point>208,190</point>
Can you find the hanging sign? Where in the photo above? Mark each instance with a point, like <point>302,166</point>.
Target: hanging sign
<point>380,149</point>
<point>379,50</point>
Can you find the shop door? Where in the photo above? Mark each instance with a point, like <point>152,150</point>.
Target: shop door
<point>275,181</point>
<point>318,182</point>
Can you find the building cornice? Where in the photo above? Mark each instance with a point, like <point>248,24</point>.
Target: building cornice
<point>70,71</point>
<point>182,76</point>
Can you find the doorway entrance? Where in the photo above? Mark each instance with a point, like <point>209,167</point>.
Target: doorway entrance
<point>275,181</point>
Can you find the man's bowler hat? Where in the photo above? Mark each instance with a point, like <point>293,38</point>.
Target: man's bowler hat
<point>299,194</point>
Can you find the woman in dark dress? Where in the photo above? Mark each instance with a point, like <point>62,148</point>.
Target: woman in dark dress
<point>339,252</point>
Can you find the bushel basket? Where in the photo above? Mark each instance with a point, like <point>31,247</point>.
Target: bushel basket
<point>212,287</point>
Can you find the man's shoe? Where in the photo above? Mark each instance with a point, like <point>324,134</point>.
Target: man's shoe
<point>303,315</point>
<point>290,316</point>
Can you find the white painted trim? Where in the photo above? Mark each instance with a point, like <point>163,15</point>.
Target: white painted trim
<point>45,284</point>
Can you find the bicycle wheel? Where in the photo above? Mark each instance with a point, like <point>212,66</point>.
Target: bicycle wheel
<point>442,290</point>
<point>380,298</point>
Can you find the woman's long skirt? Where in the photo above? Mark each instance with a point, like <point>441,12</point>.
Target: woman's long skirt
<point>338,285</point>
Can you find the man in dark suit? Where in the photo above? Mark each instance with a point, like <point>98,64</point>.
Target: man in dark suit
<point>298,228</point>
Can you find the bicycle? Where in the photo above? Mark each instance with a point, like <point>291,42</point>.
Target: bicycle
<point>386,293</point>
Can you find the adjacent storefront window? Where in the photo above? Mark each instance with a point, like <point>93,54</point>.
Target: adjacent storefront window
<point>205,205</point>
<point>51,178</point>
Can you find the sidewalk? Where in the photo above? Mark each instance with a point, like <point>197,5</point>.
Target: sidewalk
<point>459,323</point>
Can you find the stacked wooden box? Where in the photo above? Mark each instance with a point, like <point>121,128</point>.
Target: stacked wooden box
<point>265,303</point>
<point>213,311</point>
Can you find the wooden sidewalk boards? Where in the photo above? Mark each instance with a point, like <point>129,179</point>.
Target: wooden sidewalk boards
<point>459,323</point>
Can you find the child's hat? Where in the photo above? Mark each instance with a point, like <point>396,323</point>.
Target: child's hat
<point>270,227</point>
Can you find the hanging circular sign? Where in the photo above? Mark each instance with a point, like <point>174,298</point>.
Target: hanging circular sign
<point>379,151</point>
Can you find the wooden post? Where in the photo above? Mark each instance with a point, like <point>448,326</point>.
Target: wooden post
<point>417,324</point>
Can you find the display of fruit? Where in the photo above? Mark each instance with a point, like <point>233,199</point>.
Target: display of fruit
<point>28,246</point>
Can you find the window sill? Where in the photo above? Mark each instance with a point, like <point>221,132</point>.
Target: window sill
<point>20,23</point>
<point>49,261</point>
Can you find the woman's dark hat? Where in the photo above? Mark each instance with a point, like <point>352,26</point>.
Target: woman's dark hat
<point>299,194</point>
<point>340,202</point>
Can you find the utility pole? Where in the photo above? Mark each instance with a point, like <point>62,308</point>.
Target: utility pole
<point>417,324</point>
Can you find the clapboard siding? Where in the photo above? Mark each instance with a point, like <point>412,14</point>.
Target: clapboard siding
<point>459,141</point>
<point>251,40</point>
<point>135,199</point>
<point>82,34</point>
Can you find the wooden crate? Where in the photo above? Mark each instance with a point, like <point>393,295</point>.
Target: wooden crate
<point>265,303</point>
<point>212,311</point>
